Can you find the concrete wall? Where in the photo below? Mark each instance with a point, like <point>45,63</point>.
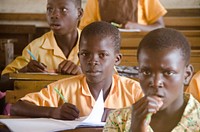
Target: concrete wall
<point>39,6</point>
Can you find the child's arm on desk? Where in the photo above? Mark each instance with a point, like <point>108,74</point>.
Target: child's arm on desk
<point>66,111</point>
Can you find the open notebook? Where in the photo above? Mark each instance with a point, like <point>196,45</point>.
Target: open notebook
<point>50,125</point>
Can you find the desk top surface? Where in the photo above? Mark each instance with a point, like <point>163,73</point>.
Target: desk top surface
<point>37,76</point>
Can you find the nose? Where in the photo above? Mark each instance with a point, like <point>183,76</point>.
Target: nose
<point>156,81</point>
<point>93,59</point>
<point>55,13</point>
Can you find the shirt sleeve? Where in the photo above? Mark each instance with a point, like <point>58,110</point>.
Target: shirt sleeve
<point>18,63</point>
<point>152,10</point>
<point>46,97</point>
<point>91,13</point>
<point>194,86</point>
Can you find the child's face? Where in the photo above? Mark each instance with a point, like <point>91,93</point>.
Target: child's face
<point>97,58</point>
<point>163,73</point>
<point>63,16</point>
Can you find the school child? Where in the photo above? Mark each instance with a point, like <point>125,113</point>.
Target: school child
<point>145,15</point>
<point>55,51</point>
<point>99,52</point>
<point>194,86</point>
<point>163,56</point>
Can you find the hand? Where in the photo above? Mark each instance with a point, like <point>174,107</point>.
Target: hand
<point>68,67</point>
<point>105,114</point>
<point>131,25</point>
<point>65,112</point>
<point>148,104</point>
<point>34,66</point>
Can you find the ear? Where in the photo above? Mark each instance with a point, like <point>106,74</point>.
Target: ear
<point>80,13</point>
<point>118,58</point>
<point>188,74</point>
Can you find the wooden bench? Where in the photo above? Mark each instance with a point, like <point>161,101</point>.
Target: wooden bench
<point>130,42</point>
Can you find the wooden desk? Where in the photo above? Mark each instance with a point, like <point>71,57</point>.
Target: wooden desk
<point>5,128</point>
<point>29,82</point>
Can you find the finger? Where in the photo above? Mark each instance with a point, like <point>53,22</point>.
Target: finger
<point>67,69</point>
<point>61,65</point>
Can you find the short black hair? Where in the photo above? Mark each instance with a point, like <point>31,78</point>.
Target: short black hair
<point>164,38</point>
<point>103,30</point>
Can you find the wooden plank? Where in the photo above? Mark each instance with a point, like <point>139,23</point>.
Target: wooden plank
<point>37,76</point>
<point>37,85</point>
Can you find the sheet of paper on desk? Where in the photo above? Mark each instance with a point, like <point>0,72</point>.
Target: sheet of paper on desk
<point>129,30</point>
<point>94,119</point>
<point>39,124</point>
<point>50,125</point>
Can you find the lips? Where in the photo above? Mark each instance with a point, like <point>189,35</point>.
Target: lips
<point>93,73</point>
<point>55,26</point>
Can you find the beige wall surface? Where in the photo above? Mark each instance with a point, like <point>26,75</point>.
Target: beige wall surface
<point>39,6</point>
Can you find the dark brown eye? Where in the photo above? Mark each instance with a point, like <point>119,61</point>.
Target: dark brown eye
<point>168,73</point>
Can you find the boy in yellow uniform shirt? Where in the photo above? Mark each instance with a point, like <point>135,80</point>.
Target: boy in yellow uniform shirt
<point>99,52</point>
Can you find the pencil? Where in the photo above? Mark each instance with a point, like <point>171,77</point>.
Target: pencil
<point>148,118</point>
<point>116,25</point>
<point>31,54</point>
<point>62,97</point>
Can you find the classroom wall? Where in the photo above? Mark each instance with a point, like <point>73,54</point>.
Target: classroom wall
<point>39,6</point>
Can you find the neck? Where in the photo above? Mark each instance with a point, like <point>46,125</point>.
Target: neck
<point>67,40</point>
<point>104,85</point>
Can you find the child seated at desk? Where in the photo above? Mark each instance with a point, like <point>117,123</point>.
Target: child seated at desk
<point>144,15</point>
<point>99,52</point>
<point>55,51</point>
<point>194,86</point>
<point>163,57</point>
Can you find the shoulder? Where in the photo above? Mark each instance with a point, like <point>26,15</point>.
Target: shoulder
<point>74,81</point>
<point>125,81</point>
<point>39,41</point>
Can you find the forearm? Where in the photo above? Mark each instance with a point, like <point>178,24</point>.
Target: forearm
<point>24,108</point>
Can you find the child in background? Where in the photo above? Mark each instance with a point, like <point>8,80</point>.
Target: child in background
<point>163,57</point>
<point>194,86</point>
<point>145,15</point>
<point>99,52</point>
<point>55,51</point>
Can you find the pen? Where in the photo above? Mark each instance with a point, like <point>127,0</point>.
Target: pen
<point>31,54</point>
<point>116,25</point>
<point>63,98</point>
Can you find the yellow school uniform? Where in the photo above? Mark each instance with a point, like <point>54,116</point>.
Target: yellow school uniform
<point>148,12</point>
<point>194,86</point>
<point>123,93</point>
<point>46,51</point>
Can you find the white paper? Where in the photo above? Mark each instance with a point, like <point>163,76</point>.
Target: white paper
<point>40,124</point>
<point>94,119</point>
<point>129,30</point>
